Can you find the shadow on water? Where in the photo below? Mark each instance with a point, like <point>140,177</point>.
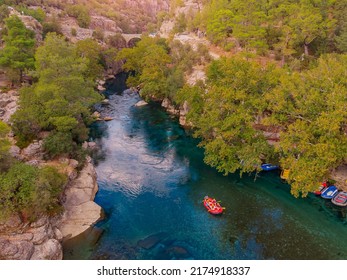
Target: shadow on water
<point>152,179</point>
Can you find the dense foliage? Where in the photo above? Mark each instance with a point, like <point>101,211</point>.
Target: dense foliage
<point>30,191</point>
<point>159,67</point>
<point>4,146</point>
<point>81,13</point>
<point>288,28</point>
<point>243,100</point>
<point>18,52</point>
<point>60,102</point>
<point>131,16</point>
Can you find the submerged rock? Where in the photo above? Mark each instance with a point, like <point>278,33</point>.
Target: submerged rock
<point>152,240</point>
<point>141,103</point>
<point>178,252</point>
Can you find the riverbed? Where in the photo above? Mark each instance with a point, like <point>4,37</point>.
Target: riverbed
<point>152,179</point>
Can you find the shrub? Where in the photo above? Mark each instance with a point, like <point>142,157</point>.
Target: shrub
<point>80,13</point>
<point>73,32</point>
<point>58,143</point>
<point>51,26</point>
<point>98,34</point>
<point>30,191</point>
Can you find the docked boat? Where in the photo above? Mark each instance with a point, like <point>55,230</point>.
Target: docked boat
<point>329,192</point>
<point>340,199</point>
<point>321,189</point>
<point>269,167</point>
<point>212,206</point>
<point>285,174</point>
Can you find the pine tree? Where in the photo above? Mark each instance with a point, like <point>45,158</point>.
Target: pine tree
<point>18,53</point>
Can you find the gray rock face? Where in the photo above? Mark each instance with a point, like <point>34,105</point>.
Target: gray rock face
<point>81,210</point>
<point>16,250</point>
<point>23,241</point>
<point>184,109</point>
<point>8,105</point>
<point>34,150</point>
<point>168,105</point>
<point>49,250</point>
<point>41,240</point>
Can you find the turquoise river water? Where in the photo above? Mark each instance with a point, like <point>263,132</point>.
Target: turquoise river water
<point>152,180</point>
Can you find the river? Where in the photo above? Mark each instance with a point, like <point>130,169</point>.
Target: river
<point>152,180</point>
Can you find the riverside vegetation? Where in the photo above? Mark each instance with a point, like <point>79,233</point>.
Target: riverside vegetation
<point>58,103</point>
<point>57,106</point>
<point>299,93</point>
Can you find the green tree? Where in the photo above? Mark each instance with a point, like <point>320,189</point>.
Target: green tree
<point>224,116</point>
<point>4,13</point>
<point>116,41</point>
<point>310,109</point>
<point>91,50</point>
<point>4,146</point>
<point>149,60</point>
<point>81,13</point>
<point>30,191</point>
<point>60,102</point>
<point>52,26</point>
<point>341,40</point>
<point>18,53</point>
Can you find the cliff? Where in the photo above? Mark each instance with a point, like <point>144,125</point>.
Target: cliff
<point>42,239</point>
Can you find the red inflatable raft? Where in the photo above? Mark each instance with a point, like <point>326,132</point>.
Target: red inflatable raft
<point>321,189</point>
<point>212,206</point>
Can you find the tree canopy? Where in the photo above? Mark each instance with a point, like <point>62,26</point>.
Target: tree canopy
<point>61,100</point>
<point>243,100</point>
<point>18,53</point>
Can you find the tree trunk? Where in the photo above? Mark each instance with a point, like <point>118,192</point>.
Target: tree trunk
<point>283,61</point>
<point>20,76</point>
<point>306,49</point>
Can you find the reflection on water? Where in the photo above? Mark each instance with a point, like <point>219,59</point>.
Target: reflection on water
<point>152,180</point>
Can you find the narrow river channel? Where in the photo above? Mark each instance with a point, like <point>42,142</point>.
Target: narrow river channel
<point>152,180</point>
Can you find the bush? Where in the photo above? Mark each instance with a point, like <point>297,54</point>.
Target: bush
<point>5,160</point>
<point>37,14</point>
<point>80,13</point>
<point>98,34</point>
<point>30,192</point>
<point>58,143</point>
<point>116,41</point>
<point>73,32</point>
<point>51,26</point>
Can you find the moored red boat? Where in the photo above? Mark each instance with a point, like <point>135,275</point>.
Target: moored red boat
<point>212,206</point>
<point>321,189</point>
<point>340,199</point>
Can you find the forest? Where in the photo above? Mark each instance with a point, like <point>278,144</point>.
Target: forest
<point>287,108</point>
<point>279,95</point>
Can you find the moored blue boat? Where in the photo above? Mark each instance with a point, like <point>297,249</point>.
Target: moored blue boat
<point>268,167</point>
<point>329,192</point>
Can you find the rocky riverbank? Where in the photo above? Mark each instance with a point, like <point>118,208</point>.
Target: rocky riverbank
<point>42,239</point>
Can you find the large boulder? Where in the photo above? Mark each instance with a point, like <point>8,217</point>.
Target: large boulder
<point>49,250</point>
<point>8,104</point>
<point>81,212</point>
<point>169,106</point>
<point>15,250</point>
<point>34,150</point>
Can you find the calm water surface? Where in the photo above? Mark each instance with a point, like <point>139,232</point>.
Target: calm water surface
<point>152,180</point>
